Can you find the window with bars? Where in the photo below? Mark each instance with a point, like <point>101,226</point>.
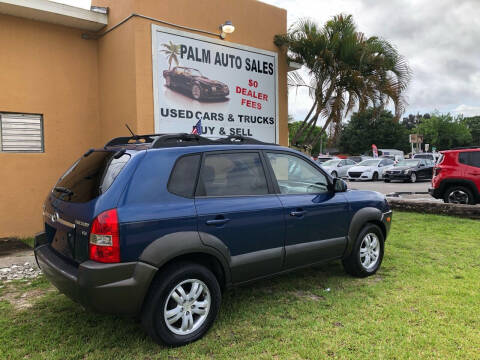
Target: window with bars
<point>21,132</point>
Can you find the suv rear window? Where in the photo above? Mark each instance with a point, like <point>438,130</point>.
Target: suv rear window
<point>471,158</point>
<point>90,176</point>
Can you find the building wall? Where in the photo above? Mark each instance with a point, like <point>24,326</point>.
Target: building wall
<point>45,69</point>
<point>256,24</point>
<point>88,89</point>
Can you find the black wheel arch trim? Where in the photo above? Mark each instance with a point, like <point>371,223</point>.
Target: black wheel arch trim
<point>361,217</point>
<point>446,183</point>
<point>171,246</point>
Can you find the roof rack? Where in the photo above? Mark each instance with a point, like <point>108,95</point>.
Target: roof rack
<point>137,139</point>
<point>181,139</point>
<point>238,139</point>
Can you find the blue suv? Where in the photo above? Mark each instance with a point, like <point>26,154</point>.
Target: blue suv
<point>157,226</point>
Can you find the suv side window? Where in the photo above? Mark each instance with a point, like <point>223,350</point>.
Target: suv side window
<point>184,174</point>
<point>296,176</point>
<point>471,158</point>
<point>232,174</point>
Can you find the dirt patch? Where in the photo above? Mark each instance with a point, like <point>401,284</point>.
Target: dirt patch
<point>22,300</point>
<point>9,246</point>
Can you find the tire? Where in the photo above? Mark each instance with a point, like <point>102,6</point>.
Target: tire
<point>334,174</point>
<point>353,264</point>
<point>196,92</point>
<point>413,177</point>
<point>387,180</point>
<point>161,298</point>
<point>459,195</point>
<point>375,176</point>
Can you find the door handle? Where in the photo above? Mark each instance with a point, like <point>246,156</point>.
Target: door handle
<point>297,213</point>
<point>217,221</point>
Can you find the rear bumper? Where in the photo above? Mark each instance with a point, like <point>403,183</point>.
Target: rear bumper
<point>435,192</point>
<point>107,288</point>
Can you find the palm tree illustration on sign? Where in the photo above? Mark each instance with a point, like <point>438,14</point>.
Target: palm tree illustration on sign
<point>171,53</point>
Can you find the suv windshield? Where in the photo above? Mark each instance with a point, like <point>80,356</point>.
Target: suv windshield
<point>423,156</point>
<point>90,176</point>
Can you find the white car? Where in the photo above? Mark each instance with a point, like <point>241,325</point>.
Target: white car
<point>338,167</point>
<point>372,169</point>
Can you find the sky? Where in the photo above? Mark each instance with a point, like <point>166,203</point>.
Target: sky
<point>439,38</point>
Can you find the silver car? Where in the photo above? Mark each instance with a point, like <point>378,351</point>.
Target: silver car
<point>338,167</point>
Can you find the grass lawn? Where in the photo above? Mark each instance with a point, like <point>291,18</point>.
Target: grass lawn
<point>424,303</point>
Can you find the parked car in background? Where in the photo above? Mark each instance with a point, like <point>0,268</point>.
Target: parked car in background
<point>359,158</point>
<point>192,82</point>
<point>430,156</point>
<point>322,158</point>
<point>410,170</point>
<point>338,167</point>
<point>392,154</point>
<point>456,176</point>
<point>372,169</point>
<point>394,158</point>
<point>123,237</point>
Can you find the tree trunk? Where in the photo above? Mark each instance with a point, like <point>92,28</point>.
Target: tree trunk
<point>319,136</point>
<point>300,130</point>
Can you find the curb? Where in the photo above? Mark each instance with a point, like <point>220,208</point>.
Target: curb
<point>437,208</point>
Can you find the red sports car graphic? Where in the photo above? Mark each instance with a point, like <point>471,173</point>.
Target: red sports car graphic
<point>191,81</point>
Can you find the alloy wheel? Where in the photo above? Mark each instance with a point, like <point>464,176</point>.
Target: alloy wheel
<point>413,177</point>
<point>187,307</point>
<point>458,197</point>
<point>369,251</point>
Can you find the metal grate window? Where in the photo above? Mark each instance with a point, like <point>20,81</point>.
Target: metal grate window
<point>21,132</point>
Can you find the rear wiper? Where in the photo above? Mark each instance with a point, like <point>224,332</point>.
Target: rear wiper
<point>63,190</point>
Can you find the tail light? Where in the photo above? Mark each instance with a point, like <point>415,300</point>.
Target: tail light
<point>436,171</point>
<point>104,244</point>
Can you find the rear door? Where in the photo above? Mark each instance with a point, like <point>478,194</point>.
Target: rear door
<point>472,169</point>
<point>316,218</point>
<point>236,203</point>
<point>425,169</point>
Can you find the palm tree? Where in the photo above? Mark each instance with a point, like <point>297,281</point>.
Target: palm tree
<point>346,69</point>
<point>171,52</point>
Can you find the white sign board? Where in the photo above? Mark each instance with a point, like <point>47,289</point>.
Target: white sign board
<point>230,88</point>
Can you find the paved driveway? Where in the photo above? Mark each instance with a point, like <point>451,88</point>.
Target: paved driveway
<point>388,188</point>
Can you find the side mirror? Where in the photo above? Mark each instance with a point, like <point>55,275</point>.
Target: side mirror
<point>339,185</point>
<point>421,165</point>
<point>339,165</point>
<point>380,165</point>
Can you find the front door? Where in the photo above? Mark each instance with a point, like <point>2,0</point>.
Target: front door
<point>236,204</point>
<point>316,218</point>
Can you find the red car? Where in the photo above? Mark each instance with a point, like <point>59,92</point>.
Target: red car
<point>456,177</point>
